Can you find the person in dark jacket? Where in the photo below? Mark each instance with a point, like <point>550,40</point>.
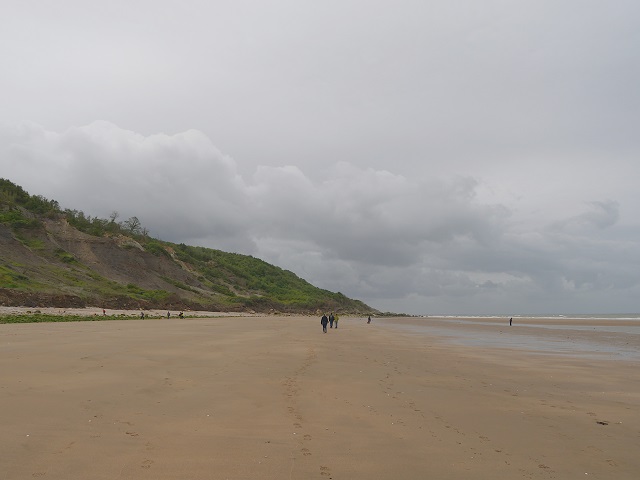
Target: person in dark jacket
<point>331,318</point>
<point>323,321</point>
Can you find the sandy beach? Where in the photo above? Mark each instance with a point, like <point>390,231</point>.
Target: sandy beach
<point>275,398</point>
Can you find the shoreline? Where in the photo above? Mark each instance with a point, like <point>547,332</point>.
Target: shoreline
<point>604,320</point>
<point>602,338</point>
<point>96,311</point>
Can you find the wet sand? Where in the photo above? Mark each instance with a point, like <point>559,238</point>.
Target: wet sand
<point>603,338</point>
<point>275,398</point>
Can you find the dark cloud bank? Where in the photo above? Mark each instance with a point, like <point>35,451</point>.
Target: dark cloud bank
<point>406,244</point>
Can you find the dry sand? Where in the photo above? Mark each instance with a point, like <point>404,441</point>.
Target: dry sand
<point>275,398</point>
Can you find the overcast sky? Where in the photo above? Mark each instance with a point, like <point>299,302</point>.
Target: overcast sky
<point>427,157</point>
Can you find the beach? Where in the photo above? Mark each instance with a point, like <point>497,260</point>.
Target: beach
<point>272,397</point>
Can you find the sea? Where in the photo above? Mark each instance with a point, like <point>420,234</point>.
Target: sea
<point>601,336</point>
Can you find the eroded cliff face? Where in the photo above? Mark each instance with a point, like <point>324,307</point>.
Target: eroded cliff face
<point>57,265</point>
<point>122,259</point>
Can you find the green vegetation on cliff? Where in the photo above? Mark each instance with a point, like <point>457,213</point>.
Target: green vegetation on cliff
<point>50,256</point>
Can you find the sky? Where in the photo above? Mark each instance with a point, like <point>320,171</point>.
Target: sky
<point>425,157</point>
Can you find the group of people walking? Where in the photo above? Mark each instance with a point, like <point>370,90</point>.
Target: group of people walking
<point>330,320</point>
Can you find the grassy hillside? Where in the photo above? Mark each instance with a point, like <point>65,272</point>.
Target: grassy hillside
<point>55,257</point>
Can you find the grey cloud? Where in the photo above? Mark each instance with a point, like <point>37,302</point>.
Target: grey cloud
<point>602,214</point>
<point>374,217</point>
<point>178,185</point>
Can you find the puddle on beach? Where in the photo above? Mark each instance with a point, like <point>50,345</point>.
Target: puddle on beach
<point>608,342</point>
